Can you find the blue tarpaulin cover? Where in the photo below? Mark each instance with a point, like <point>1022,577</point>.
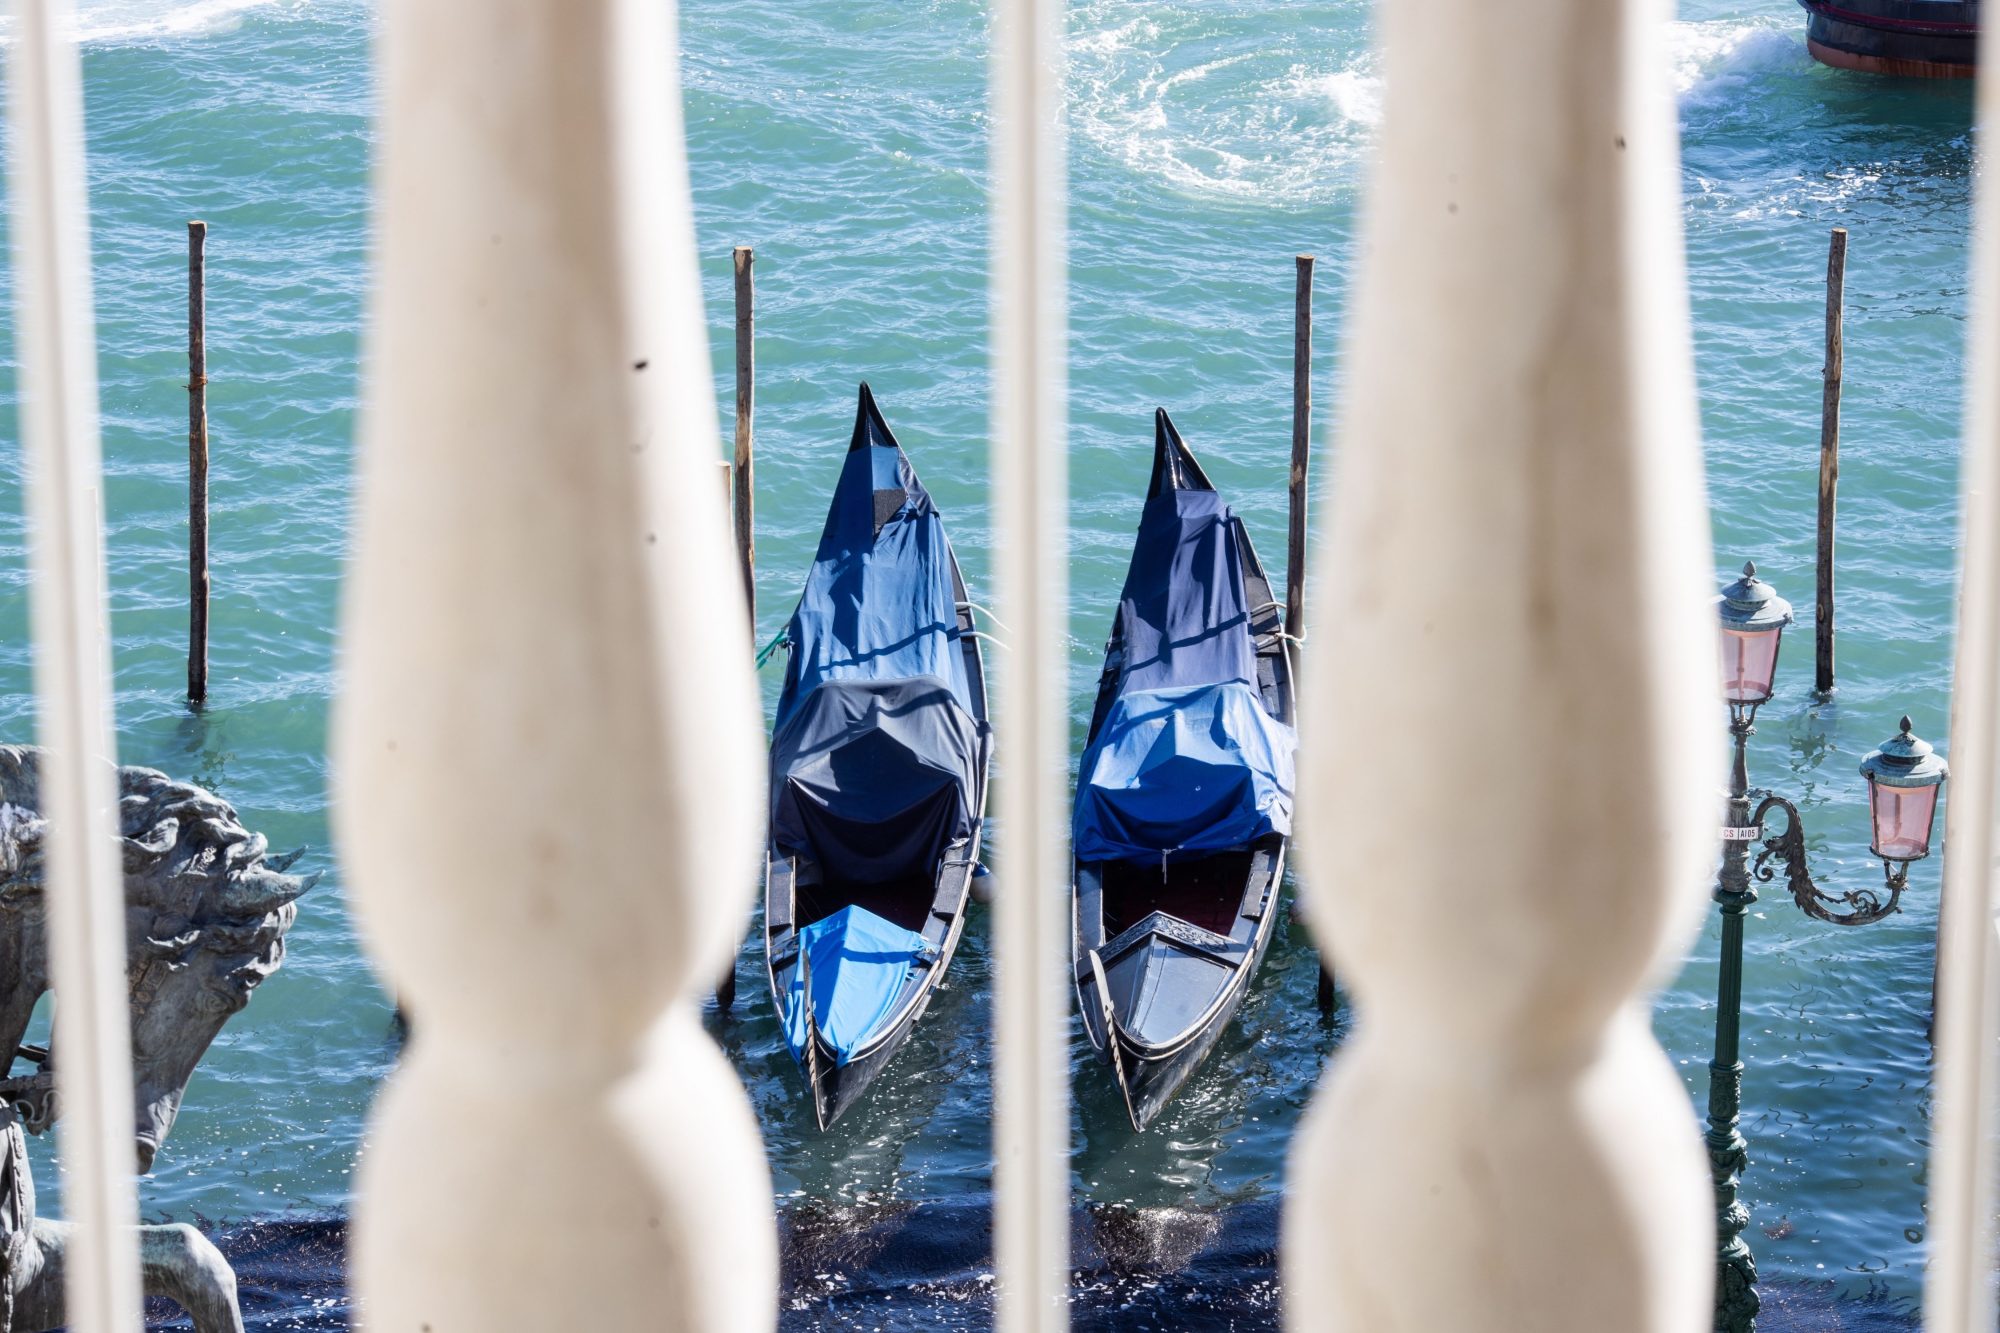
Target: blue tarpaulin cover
<point>878,602</point>
<point>874,779</point>
<point>857,963</point>
<point>1186,760</point>
<point>875,748</point>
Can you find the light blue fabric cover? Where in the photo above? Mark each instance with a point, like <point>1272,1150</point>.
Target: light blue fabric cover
<point>858,963</point>
<point>1192,768</point>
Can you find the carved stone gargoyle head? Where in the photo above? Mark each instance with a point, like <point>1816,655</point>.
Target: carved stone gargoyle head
<point>205,919</point>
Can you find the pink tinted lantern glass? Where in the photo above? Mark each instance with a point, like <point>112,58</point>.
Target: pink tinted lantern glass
<point>1902,817</point>
<point>1749,662</point>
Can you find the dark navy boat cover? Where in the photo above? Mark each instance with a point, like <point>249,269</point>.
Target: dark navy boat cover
<point>875,748</point>
<point>1186,760</point>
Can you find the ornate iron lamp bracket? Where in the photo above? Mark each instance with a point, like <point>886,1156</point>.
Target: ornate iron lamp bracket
<point>1788,847</point>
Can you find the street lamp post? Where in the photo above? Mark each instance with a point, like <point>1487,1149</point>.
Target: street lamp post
<point>1904,778</point>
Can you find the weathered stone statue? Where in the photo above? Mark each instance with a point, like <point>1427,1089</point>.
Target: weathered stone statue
<point>205,920</point>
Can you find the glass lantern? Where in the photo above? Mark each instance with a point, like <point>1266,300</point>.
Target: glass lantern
<point>1753,618</point>
<point>1904,778</point>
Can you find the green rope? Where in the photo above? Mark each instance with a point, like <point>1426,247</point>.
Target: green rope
<point>773,646</point>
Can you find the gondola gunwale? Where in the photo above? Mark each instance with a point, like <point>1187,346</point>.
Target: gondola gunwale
<point>866,1062</point>
<point>1176,467</point>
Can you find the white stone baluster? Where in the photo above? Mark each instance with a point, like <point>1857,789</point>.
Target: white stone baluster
<point>1512,750</point>
<point>57,342</point>
<point>550,790</point>
<point>1958,1287</point>
<point>1031,545</point>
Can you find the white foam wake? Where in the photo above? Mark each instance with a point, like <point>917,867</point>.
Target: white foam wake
<point>1213,101</point>
<point>1714,60</point>
<point>109,21</point>
<point>1220,100</point>
<point>1717,61</point>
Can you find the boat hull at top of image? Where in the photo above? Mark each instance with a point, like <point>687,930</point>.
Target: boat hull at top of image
<point>1930,39</point>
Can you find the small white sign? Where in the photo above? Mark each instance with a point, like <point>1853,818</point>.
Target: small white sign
<point>1750,834</point>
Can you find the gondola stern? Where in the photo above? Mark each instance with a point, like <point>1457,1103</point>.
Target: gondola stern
<point>1115,1043</point>
<point>845,1087</point>
<point>820,1113</point>
<point>810,1062</point>
<point>827,1102</point>
<point>1147,1083</point>
<point>1141,1113</point>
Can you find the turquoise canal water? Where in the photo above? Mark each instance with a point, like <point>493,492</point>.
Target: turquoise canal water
<point>847,142</point>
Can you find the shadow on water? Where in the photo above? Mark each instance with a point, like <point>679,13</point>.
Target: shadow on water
<point>1885,110</point>
<point>200,749</point>
<point>924,1130</point>
<point>902,1266</point>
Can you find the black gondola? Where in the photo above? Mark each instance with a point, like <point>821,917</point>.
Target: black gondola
<point>1184,797</point>
<point>879,758</point>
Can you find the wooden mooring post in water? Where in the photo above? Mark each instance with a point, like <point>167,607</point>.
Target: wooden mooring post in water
<point>1295,546</point>
<point>1302,396</point>
<point>746,406</point>
<point>725,986</point>
<point>739,483</point>
<point>1829,459</point>
<point>197,469</point>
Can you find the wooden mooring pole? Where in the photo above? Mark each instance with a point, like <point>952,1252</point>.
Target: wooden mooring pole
<point>725,986</point>
<point>739,483</point>
<point>197,470</point>
<point>1295,546</point>
<point>1302,397</point>
<point>1829,458</point>
<point>746,403</point>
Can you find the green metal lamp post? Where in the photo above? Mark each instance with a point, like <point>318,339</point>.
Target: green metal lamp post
<point>1904,778</point>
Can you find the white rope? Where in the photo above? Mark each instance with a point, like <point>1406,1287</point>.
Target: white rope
<point>974,606</point>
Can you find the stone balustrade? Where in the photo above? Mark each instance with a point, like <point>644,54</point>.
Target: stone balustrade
<point>1508,801</point>
<point>550,762</point>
